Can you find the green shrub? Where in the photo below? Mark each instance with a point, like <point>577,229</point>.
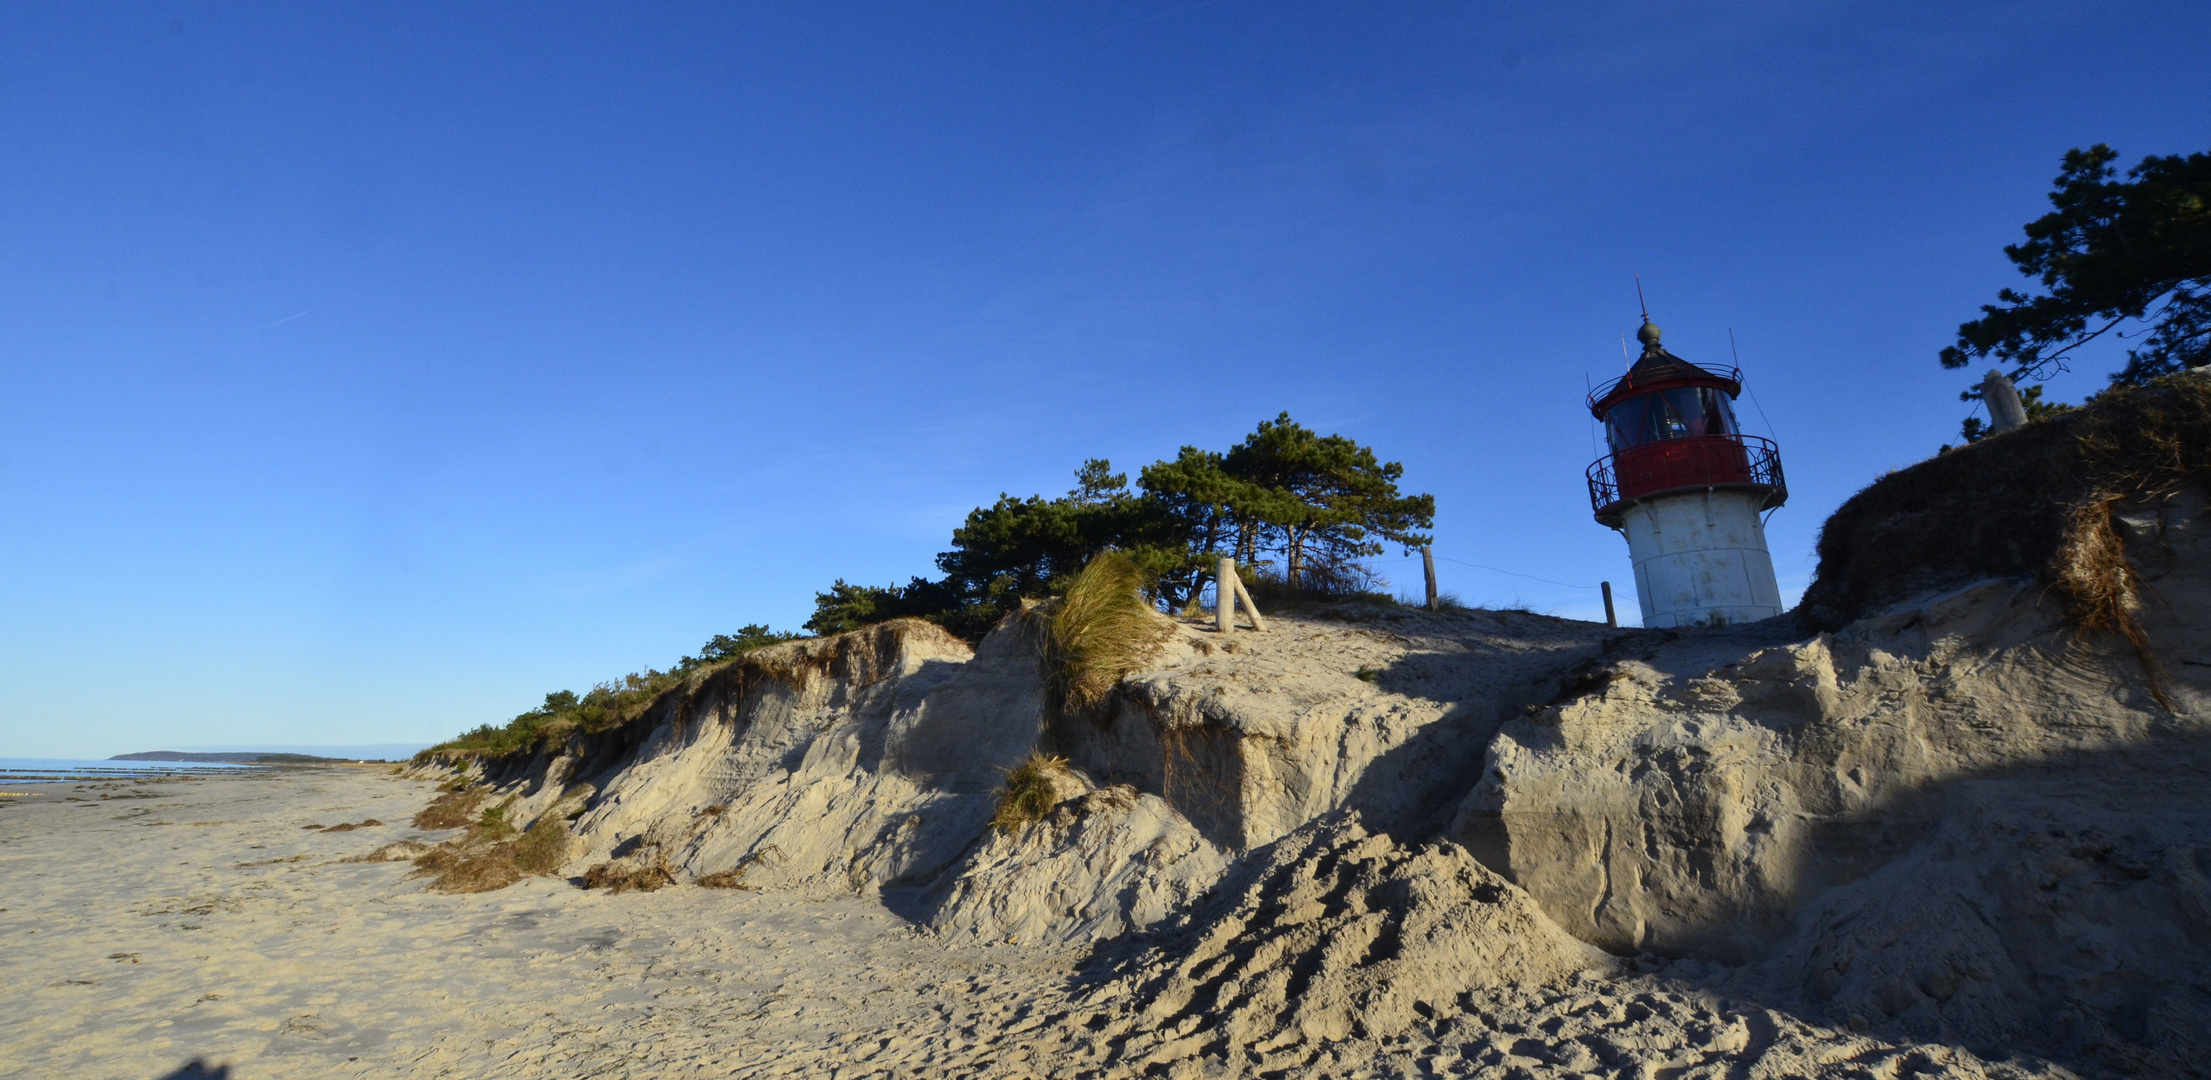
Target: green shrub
<point>605,706</point>
<point>492,826</point>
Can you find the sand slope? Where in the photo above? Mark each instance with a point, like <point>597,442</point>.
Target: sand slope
<point>198,920</point>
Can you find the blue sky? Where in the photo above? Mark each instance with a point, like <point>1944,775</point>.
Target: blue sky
<point>371,370</point>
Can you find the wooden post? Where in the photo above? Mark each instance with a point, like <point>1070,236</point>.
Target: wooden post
<point>1610,618</point>
<point>1250,608</point>
<point>2006,412</point>
<point>1224,596</point>
<point>1428,564</point>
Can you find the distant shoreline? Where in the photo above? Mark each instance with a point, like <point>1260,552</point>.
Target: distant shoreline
<point>247,758</point>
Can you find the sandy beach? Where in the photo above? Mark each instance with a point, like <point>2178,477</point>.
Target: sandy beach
<point>152,925</point>
<point>178,927</point>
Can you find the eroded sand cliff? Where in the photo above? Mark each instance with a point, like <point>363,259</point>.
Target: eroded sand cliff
<point>1960,803</point>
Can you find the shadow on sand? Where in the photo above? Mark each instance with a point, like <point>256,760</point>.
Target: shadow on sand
<point>198,1069</point>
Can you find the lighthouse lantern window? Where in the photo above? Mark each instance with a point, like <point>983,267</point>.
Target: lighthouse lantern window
<point>1681,413</point>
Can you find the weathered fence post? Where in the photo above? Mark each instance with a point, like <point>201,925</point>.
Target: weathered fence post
<point>1228,588</point>
<point>1224,596</point>
<point>1251,609</point>
<point>1610,618</point>
<point>1428,565</point>
<point>2005,411</point>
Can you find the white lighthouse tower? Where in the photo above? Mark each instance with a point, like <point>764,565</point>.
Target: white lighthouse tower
<point>1689,489</point>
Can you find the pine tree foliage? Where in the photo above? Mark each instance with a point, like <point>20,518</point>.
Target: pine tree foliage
<point>2131,258</point>
<point>1319,502</point>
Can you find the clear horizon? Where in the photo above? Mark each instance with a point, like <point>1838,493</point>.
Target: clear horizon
<point>375,370</point>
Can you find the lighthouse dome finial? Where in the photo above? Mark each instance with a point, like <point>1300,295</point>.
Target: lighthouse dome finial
<point>1648,335</point>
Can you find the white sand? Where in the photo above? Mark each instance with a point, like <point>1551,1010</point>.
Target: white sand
<point>196,920</point>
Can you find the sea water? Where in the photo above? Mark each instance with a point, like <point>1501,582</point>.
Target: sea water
<point>58,770</point>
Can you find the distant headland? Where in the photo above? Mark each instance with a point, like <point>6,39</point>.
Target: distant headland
<point>251,757</point>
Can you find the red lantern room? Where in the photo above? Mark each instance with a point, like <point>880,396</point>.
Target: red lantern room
<point>1671,428</point>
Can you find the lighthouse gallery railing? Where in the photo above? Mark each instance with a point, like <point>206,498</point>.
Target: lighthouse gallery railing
<point>1702,461</point>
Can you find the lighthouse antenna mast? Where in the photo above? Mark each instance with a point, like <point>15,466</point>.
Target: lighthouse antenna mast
<point>1639,301</point>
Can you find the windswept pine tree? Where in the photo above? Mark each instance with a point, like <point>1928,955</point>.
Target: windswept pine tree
<point>2127,257</point>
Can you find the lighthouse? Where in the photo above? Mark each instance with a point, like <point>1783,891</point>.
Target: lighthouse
<point>1688,489</point>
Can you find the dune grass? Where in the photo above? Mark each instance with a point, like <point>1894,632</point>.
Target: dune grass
<point>491,855</point>
<point>1320,585</point>
<point>727,879</point>
<point>455,868</point>
<point>1099,631</point>
<point>492,825</point>
<point>1030,791</point>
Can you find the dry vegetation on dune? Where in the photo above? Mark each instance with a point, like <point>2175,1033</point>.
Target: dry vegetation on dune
<point>490,855</point>
<point>1101,630</point>
<point>616,877</point>
<point>1031,791</point>
<point>2041,501</point>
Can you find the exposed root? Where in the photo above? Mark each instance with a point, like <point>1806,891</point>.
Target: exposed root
<point>2102,590</point>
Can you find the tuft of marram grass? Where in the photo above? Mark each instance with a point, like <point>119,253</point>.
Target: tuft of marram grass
<point>1030,791</point>
<point>1102,629</point>
<point>2102,590</point>
<point>727,879</point>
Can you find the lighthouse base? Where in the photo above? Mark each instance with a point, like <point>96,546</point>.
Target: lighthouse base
<point>1700,559</point>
